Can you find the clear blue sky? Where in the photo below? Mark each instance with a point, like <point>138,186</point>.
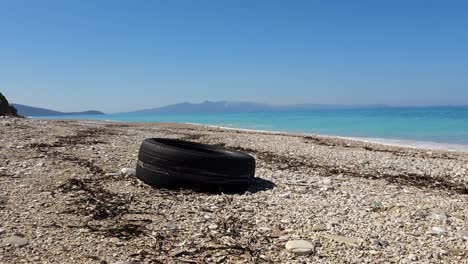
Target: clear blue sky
<point>125,55</point>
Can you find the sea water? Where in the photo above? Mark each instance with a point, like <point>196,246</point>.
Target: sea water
<point>425,127</point>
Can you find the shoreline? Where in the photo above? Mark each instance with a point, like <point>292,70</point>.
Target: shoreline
<point>405,143</point>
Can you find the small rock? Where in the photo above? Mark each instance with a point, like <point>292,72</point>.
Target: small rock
<point>221,259</point>
<point>170,226</point>
<point>376,204</point>
<point>327,182</point>
<point>299,247</point>
<point>412,257</point>
<point>375,242</point>
<point>264,229</point>
<point>13,241</point>
<point>40,164</point>
<point>127,262</point>
<point>113,174</point>
<point>213,226</point>
<point>114,240</point>
<point>283,238</point>
<point>128,171</point>
<point>437,230</point>
<point>351,241</point>
<point>319,227</point>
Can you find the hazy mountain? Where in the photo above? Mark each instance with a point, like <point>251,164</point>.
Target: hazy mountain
<point>239,107</point>
<point>25,110</point>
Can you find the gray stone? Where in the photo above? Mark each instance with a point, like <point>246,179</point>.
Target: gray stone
<point>15,241</point>
<point>375,242</point>
<point>170,226</point>
<point>299,247</point>
<point>319,227</point>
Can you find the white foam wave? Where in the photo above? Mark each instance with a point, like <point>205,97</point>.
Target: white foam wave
<point>383,141</point>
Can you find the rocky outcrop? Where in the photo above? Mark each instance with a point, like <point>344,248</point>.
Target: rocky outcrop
<point>5,108</point>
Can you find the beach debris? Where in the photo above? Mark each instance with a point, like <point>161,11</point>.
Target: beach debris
<point>14,241</point>
<point>351,241</point>
<point>299,247</point>
<point>440,216</point>
<point>437,230</point>
<point>128,172</point>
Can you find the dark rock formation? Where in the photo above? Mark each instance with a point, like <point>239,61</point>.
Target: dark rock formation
<point>5,108</point>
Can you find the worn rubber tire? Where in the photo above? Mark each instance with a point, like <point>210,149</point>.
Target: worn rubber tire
<point>172,163</point>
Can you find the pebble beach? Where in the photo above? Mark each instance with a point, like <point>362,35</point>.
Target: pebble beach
<point>68,194</point>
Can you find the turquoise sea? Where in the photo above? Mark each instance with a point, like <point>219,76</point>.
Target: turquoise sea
<point>426,127</point>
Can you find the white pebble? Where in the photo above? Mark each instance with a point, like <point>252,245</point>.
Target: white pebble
<point>128,171</point>
<point>437,230</point>
<point>327,182</point>
<point>299,247</point>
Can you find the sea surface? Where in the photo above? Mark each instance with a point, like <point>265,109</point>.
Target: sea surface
<point>428,127</point>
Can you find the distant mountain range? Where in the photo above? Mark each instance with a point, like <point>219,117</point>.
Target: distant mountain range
<point>25,110</point>
<point>208,107</point>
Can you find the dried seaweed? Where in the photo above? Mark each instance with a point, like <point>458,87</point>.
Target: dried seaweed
<point>93,200</point>
<point>82,137</point>
<point>408,179</point>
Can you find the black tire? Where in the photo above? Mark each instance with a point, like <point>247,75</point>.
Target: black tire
<point>172,163</point>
